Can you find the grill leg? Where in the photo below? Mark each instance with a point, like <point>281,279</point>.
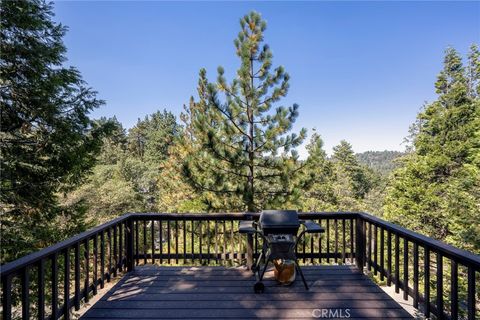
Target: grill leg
<point>297,266</point>
<point>259,287</point>
<point>256,265</point>
<point>263,270</point>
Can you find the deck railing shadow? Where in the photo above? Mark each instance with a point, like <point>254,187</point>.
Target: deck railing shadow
<point>50,283</point>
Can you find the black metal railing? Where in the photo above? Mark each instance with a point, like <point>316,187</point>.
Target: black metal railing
<point>429,271</point>
<point>50,283</point>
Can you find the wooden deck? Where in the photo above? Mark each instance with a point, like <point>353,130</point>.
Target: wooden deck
<point>227,293</point>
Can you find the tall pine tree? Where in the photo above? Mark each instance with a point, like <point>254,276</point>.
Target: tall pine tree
<point>243,156</point>
<point>48,141</point>
<point>437,190</point>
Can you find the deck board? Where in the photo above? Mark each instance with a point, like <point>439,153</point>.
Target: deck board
<point>152,292</point>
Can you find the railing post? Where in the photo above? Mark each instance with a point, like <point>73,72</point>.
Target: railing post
<point>360,243</point>
<point>129,235</point>
<point>7,297</point>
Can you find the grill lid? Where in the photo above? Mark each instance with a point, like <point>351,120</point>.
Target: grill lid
<point>273,219</point>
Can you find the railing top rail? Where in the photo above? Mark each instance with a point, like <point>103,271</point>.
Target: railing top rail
<point>16,265</point>
<point>461,256</point>
<point>192,216</point>
<point>235,215</point>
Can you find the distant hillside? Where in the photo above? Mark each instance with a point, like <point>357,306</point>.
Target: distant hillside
<point>380,161</point>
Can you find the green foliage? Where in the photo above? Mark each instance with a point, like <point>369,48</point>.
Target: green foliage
<point>340,183</point>
<point>151,137</point>
<point>383,162</point>
<point>242,156</point>
<point>320,193</point>
<point>437,190</point>
<point>134,171</point>
<point>48,140</point>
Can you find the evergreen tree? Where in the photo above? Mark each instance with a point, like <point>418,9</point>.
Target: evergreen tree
<point>132,170</point>
<point>437,190</point>
<point>318,194</point>
<point>243,157</point>
<point>352,176</point>
<point>150,138</point>
<point>48,141</point>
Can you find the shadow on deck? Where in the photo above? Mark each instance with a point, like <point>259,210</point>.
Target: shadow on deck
<point>152,292</point>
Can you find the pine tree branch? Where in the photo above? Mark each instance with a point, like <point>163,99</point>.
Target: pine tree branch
<point>229,118</point>
<point>234,95</point>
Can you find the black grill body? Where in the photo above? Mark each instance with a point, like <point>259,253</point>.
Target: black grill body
<point>279,222</point>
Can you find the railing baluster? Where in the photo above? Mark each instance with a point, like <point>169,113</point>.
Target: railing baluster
<point>129,244</point>
<point>224,241</point>
<point>200,240</point>
<point>397,263</point>
<point>87,270</point>
<point>375,251</point>
<point>102,260</point>
<point>427,281</point>
<point>115,252</point>
<point>184,241</point>
<point>439,286</point>
<point>120,248</point>
<point>41,289</point>
<point>137,243</point>
<point>95,263</point>
<point>66,285</point>
<point>209,241</point>
<point>7,297</point>
<point>199,226</point>
<point>232,242</point>
<point>364,235</point>
<point>176,241</point>
<point>77,276</point>
<point>144,241</point>
<point>454,290</point>
<point>389,258</point>
<point>312,249</point>
<point>336,240</point>
<point>168,240</point>
<point>152,237</point>
<point>255,246</point>
<point>25,294</point>
<point>328,240</point>
<point>369,247</point>
<point>216,241</point>
<point>352,250</point>
<point>405,269</point>
<point>160,228</point>
<point>193,241</point>
<point>415,275</point>
<point>343,241</point>
<point>382,254</point>
<point>241,256</point>
<point>320,244</point>
<point>55,286</point>
<point>303,248</point>
<point>110,254</point>
<point>471,293</point>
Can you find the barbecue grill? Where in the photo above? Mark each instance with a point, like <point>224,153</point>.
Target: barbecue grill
<point>279,231</point>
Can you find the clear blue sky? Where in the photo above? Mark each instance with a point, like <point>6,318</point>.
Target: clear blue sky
<point>359,71</point>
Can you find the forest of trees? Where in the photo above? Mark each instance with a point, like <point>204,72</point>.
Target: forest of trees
<point>232,149</point>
